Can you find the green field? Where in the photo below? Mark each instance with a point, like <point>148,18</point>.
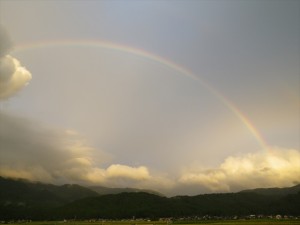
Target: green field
<point>210,222</point>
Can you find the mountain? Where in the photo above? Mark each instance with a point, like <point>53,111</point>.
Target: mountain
<point>21,199</point>
<point>22,190</point>
<point>106,191</point>
<point>275,191</point>
<point>117,206</point>
<point>145,205</point>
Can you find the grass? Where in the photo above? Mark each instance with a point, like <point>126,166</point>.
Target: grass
<point>209,222</point>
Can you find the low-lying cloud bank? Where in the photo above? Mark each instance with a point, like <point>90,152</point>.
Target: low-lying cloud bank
<point>274,167</point>
<point>34,151</point>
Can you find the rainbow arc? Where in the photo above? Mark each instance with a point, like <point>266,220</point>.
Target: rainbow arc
<point>158,59</point>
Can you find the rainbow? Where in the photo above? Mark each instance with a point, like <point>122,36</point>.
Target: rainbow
<point>153,57</point>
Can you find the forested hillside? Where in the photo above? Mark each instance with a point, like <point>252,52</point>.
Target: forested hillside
<point>21,199</point>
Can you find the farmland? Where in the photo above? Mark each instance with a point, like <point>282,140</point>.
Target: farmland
<point>204,222</point>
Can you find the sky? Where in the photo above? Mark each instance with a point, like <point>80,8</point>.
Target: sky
<point>181,97</point>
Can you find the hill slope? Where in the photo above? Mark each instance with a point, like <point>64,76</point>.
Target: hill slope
<point>20,199</point>
<point>275,191</point>
<point>106,191</point>
<point>145,205</point>
<point>117,206</point>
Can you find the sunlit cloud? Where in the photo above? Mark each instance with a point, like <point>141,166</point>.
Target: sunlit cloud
<point>273,168</point>
<point>34,151</point>
<point>136,173</point>
<point>13,76</point>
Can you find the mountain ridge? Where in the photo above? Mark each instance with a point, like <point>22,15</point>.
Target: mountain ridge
<point>101,190</point>
<point>275,191</point>
<point>22,199</point>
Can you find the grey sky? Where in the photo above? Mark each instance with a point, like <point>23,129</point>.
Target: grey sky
<point>140,113</point>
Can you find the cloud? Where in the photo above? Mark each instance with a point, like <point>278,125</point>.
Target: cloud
<point>13,76</point>
<point>35,151</point>
<point>5,42</point>
<point>135,173</point>
<point>273,168</point>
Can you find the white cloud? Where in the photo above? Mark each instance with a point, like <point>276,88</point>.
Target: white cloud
<point>272,168</point>
<point>34,151</point>
<point>135,173</point>
<point>13,76</point>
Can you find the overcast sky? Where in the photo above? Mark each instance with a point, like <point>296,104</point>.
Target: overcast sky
<point>183,97</point>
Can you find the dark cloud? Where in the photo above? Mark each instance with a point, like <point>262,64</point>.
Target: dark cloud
<point>5,42</point>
